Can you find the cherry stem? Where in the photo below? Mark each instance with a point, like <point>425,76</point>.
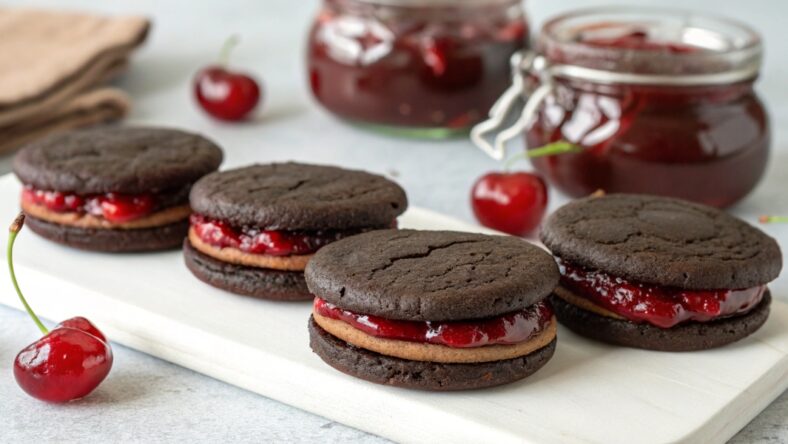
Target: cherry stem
<point>229,44</point>
<point>773,219</point>
<point>550,149</point>
<point>15,228</point>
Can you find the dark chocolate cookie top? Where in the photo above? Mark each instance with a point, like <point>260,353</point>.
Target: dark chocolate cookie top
<point>431,275</point>
<point>117,159</point>
<point>663,241</point>
<point>295,196</point>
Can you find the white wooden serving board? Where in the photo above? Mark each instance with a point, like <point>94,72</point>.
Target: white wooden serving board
<point>588,392</point>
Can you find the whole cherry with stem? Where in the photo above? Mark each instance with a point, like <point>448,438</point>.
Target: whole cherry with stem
<point>225,94</point>
<point>68,362</point>
<point>515,202</point>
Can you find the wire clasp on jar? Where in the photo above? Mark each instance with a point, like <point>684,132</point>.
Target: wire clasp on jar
<point>503,126</point>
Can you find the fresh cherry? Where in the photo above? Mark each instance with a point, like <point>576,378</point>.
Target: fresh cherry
<point>80,323</point>
<point>510,202</point>
<point>225,94</point>
<point>67,363</point>
<point>514,202</point>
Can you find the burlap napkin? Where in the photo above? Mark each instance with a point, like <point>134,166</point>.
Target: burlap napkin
<point>53,66</point>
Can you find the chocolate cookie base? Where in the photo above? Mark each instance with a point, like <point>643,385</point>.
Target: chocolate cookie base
<point>419,375</point>
<point>248,281</point>
<point>689,336</point>
<point>165,237</point>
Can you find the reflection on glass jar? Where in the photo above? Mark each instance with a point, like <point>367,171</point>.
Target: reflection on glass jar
<point>429,67</point>
<point>662,102</point>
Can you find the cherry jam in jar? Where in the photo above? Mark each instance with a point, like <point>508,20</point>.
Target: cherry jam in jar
<point>660,101</point>
<point>425,68</point>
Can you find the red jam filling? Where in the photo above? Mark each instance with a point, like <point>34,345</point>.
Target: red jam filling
<point>413,71</point>
<point>114,207</point>
<point>269,242</point>
<point>664,307</point>
<point>511,328</point>
<point>639,40</point>
<point>705,144</point>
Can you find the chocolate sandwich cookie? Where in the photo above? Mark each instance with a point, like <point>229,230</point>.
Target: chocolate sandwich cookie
<point>659,273</point>
<point>255,228</point>
<point>114,189</point>
<point>433,310</point>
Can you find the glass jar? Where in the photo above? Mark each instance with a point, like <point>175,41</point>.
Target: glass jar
<point>427,68</point>
<point>660,101</point>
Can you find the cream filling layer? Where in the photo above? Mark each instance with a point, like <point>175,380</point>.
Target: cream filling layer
<point>238,257</point>
<point>584,303</point>
<point>158,219</point>
<point>417,351</point>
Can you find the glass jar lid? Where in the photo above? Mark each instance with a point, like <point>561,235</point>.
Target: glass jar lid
<point>651,41</point>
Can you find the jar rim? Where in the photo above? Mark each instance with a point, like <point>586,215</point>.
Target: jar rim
<point>722,44</point>
<point>437,3</point>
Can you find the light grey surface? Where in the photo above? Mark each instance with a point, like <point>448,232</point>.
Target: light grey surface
<point>148,400</point>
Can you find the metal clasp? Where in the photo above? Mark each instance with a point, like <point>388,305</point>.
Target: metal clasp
<point>501,126</point>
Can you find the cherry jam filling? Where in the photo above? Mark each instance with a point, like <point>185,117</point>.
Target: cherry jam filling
<point>269,242</point>
<point>511,328</point>
<point>114,207</point>
<point>640,40</point>
<point>664,307</point>
<point>417,71</point>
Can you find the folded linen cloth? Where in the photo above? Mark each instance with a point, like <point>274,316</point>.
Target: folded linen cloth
<point>53,66</point>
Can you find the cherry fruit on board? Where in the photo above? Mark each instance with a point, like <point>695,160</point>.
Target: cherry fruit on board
<point>69,361</point>
<point>226,94</point>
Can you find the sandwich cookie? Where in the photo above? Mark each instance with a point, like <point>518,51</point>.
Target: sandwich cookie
<point>113,189</point>
<point>255,228</point>
<point>659,273</point>
<point>433,310</point>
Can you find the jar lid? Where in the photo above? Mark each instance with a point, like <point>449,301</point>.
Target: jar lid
<point>656,41</point>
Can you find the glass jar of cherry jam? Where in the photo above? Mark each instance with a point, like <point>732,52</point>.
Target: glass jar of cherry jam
<point>427,68</point>
<point>661,102</point>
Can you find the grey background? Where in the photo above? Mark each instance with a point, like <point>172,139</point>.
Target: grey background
<point>148,400</point>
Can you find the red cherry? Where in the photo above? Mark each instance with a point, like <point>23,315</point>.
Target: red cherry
<point>80,323</point>
<point>224,94</point>
<point>64,365</point>
<point>67,363</point>
<point>514,203</point>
